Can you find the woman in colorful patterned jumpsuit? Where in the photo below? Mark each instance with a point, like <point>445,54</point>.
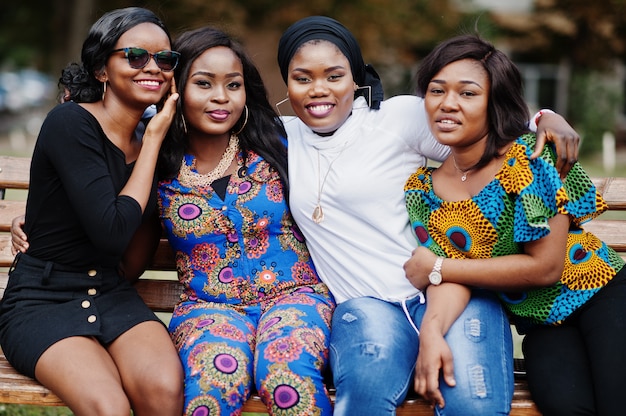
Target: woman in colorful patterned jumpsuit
<point>491,217</point>
<point>253,304</point>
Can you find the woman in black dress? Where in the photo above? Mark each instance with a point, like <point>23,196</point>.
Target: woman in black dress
<point>69,317</point>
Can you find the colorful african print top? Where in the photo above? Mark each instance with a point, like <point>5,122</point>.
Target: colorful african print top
<point>240,250</point>
<point>513,209</point>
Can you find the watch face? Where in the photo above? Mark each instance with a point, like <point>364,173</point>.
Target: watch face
<point>434,277</point>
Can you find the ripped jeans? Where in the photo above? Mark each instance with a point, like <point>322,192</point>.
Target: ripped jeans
<point>373,350</point>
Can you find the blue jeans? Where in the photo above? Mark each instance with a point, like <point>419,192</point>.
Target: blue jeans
<point>373,350</point>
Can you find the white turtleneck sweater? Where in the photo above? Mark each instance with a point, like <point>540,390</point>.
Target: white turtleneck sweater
<point>360,247</point>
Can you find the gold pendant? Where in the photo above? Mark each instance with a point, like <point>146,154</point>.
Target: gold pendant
<point>318,214</point>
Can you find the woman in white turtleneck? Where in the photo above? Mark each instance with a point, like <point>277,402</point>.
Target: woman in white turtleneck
<point>350,154</point>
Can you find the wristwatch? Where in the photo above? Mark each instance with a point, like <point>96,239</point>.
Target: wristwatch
<point>435,276</point>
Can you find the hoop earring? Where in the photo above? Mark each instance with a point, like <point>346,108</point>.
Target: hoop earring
<point>104,89</point>
<point>182,118</point>
<point>369,93</point>
<point>245,121</point>
<point>279,103</point>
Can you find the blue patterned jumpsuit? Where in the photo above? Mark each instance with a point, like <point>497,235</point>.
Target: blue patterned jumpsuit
<point>253,305</point>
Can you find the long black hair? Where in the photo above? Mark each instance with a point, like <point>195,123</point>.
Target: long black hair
<point>80,79</point>
<point>264,132</point>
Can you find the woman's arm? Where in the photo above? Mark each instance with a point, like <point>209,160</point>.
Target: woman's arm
<point>139,184</point>
<point>551,127</point>
<point>141,249</point>
<point>444,304</point>
<point>108,206</point>
<point>541,264</point>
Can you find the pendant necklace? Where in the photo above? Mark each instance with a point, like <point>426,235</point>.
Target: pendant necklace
<point>463,172</point>
<point>318,212</point>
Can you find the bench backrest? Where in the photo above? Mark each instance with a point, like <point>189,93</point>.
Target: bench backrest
<point>161,296</point>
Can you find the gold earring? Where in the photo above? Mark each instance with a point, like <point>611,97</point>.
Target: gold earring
<point>369,93</point>
<point>281,102</point>
<point>104,89</point>
<point>245,121</point>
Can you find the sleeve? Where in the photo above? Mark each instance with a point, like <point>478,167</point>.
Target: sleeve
<point>420,206</point>
<point>541,194</point>
<point>73,143</point>
<point>421,138</point>
<point>581,198</point>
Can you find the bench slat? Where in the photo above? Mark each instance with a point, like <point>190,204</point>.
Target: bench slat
<point>16,388</point>
<point>8,211</point>
<point>613,190</point>
<point>6,258</point>
<point>164,258</point>
<point>161,295</point>
<point>14,172</point>
<point>610,231</point>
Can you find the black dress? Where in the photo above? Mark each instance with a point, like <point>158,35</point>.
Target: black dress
<point>78,228</point>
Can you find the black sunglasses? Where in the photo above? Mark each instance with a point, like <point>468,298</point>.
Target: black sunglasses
<point>138,58</point>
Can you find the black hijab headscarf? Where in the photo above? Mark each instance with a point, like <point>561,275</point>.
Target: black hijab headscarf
<point>325,28</point>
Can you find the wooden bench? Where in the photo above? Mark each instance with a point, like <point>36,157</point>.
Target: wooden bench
<point>162,294</point>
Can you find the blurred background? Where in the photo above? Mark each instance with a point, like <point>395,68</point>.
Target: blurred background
<point>572,52</point>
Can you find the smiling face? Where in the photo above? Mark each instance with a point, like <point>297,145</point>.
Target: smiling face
<point>456,103</point>
<point>215,95</point>
<point>320,86</point>
<point>142,86</point>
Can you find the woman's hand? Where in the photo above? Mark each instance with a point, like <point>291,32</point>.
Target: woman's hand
<point>19,241</point>
<point>419,266</point>
<point>159,124</point>
<point>434,359</point>
<point>553,128</point>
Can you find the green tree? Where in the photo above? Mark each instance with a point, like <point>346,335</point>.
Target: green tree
<point>47,34</point>
<point>590,38</point>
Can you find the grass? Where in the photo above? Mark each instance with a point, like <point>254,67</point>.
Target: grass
<point>23,410</point>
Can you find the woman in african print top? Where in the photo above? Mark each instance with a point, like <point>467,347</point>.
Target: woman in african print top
<point>511,210</point>
<point>253,309</point>
<point>506,221</point>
